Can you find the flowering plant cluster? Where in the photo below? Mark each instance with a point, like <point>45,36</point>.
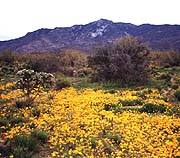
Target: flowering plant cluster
<point>79,124</point>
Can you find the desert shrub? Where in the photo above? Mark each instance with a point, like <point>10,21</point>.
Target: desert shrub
<point>63,61</point>
<point>12,110</point>
<point>111,91</point>
<point>124,60</point>
<point>107,107</point>
<point>72,62</point>
<point>131,102</point>
<point>73,58</point>
<point>32,82</point>
<point>94,142</point>
<point>47,62</point>
<point>36,112</point>
<point>3,122</point>
<point>177,94</point>
<point>41,136</point>
<point>8,63</point>
<point>16,120</point>
<point>165,59</point>
<point>112,107</point>
<point>174,111</point>
<point>84,72</point>
<point>24,102</point>
<point>174,86</point>
<point>116,139</point>
<point>22,146</point>
<point>165,76</point>
<point>62,82</point>
<point>8,57</point>
<point>25,146</point>
<point>153,108</point>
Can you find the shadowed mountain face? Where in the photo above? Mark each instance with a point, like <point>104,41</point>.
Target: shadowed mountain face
<point>85,37</point>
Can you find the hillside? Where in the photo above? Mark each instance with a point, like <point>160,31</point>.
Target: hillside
<point>84,37</point>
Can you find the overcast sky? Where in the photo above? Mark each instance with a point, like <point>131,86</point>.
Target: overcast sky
<point>17,17</point>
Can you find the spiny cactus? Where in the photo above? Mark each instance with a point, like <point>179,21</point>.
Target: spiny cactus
<point>31,82</point>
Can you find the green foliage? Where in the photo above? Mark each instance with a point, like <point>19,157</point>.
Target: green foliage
<point>174,86</point>
<point>41,136</point>
<point>94,142</point>
<point>36,112</point>
<point>131,102</point>
<point>16,120</point>
<point>116,139</point>
<point>62,82</point>
<point>110,107</point>
<point>124,60</point>
<point>112,91</point>
<point>25,102</point>
<point>165,76</point>
<point>153,108</point>
<point>3,122</point>
<point>177,94</point>
<point>174,111</point>
<point>84,72</point>
<point>10,120</point>
<point>22,146</point>
<point>31,81</point>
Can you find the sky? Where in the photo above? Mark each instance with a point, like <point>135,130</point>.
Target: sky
<point>18,17</point>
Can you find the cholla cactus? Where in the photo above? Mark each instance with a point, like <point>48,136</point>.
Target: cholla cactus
<point>31,82</point>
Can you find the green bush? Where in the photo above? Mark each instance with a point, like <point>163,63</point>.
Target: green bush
<point>112,107</point>
<point>21,103</point>
<point>115,138</point>
<point>131,102</point>
<point>36,112</point>
<point>177,94</point>
<point>22,146</point>
<point>40,135</point>
<point>94,142</point>
<point>153,108</point>
<point>84,72</point>
<point>165,76</point>
<point>62,83</point>
<point>111,91</point>
<point>174,86</point>
<point>3,122</point>
<point>174,111</point>
<point>16,120</point>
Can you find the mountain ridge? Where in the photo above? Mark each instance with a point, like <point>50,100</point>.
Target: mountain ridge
<point>85,37</point>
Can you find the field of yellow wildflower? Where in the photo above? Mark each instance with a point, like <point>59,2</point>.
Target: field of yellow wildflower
<point>94,123</point>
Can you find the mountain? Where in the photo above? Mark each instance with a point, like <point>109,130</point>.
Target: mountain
<point>84,37</point>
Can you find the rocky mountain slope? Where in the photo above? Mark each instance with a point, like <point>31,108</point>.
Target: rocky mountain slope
<point>85,37</point>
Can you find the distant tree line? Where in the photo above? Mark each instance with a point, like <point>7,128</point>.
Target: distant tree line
<point>125,60</point>
<point>65,62</point>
